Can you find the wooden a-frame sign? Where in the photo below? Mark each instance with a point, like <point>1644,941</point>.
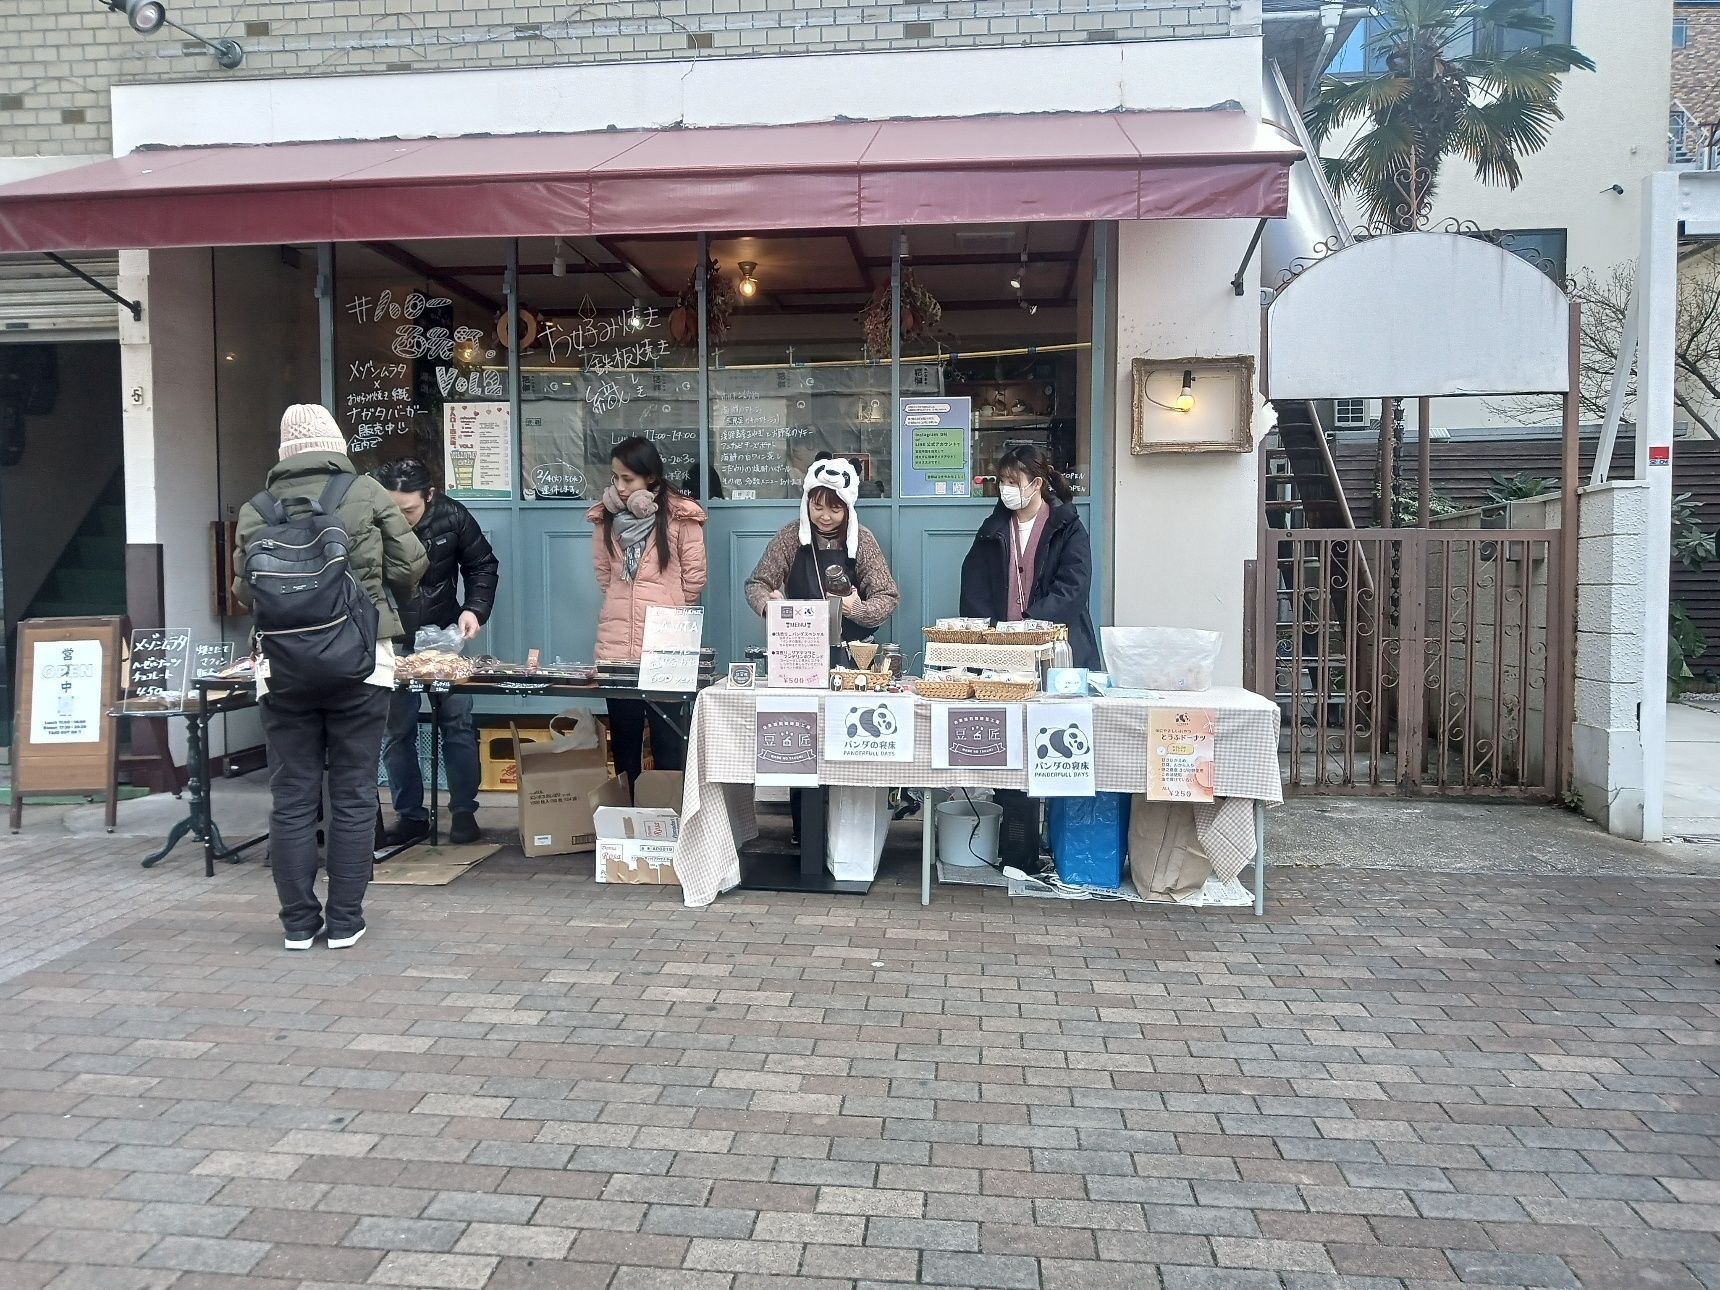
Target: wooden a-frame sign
<point>63,740</point>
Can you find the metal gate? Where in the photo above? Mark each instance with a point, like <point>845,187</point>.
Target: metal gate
<point>1411,660</point>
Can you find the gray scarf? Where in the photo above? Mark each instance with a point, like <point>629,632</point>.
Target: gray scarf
<point>632,530</point>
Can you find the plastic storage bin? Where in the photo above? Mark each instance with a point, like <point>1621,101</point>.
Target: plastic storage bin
<point>1089,838</point>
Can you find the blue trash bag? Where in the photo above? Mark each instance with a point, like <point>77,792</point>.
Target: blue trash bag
<point>1089,838</point>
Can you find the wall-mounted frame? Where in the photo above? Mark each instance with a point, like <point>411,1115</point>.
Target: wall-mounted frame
<point>1221,418</point>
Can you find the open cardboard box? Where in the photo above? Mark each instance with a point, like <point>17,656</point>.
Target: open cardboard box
<point>637,845</point>
<point>564,780</point>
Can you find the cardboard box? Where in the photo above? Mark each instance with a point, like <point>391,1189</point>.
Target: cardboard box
<point>636,846</point>
<point>498,766</point>
<point>659,790</point>
<point>564,780</point>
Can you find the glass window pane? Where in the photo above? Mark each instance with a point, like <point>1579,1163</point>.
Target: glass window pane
<point>609,357</point>
<point>416,345</point>
<point>791,371</point>
<point>1014,337</point>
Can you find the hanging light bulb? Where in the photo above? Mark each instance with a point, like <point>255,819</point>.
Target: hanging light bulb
<point>748,285</point>
<point>635,318</point>
<point>1185,400</point>
<point>558,266</point>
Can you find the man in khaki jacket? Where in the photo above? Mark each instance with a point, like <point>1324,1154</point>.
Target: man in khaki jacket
<point>341,728</point>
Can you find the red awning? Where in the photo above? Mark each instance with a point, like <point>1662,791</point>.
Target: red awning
<point>1002,169</point>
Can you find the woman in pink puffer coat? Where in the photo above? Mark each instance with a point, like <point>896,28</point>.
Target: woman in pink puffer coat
<point>648,549</point>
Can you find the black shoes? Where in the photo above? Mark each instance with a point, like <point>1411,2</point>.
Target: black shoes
<point>406,832</point>
<point>464,829</point>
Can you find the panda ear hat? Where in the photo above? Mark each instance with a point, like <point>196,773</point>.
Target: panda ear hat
<point>841,478</point>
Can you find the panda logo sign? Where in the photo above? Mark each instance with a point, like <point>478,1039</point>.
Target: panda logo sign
<point>875,728</point>
<point>871,723</point>
<point>1064,743</point>
<point>1061,738</point>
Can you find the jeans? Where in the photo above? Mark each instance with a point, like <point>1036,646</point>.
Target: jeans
<point>459,754</point>
<point>342,731</point>
<point>627,721</point>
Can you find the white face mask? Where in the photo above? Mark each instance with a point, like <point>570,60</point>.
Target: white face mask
<point>1014,497</point>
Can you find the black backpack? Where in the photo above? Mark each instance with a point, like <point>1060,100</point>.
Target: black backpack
<point>315,624</point>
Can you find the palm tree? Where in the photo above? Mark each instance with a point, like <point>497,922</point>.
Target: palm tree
<point>1454,83</point>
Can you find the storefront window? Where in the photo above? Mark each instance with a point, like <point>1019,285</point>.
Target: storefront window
<point>606,355</point>
<point>1001,316</point>
<point>791,373</point>
<point>421,360</point>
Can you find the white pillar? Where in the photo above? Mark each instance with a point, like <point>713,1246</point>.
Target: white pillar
<point>1657,287</point>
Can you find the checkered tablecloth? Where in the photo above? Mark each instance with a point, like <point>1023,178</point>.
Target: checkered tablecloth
<point>717,810</point>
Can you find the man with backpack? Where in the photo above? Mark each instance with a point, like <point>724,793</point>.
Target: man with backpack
<point>317,552</point>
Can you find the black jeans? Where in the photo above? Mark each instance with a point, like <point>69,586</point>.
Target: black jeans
<point>344,732</point>
<point>627,721</point>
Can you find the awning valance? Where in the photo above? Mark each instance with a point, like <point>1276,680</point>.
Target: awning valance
<point>1218,164</point>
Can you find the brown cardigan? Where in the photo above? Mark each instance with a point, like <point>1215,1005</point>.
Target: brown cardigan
<point>878,594</point>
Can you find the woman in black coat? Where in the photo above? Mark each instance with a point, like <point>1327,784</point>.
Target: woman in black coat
<point>1032,557</point>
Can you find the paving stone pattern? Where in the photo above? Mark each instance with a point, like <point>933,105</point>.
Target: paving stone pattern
<point>526,1080</point>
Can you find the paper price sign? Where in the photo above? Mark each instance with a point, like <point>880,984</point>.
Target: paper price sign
<point>670,657</point>
<point>1179,754</point>
<point>797,633</point>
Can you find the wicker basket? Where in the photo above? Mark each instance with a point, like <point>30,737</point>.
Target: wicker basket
<point>851,678</point>
<point>1004,691</point>
<point>944,689</point>
<point>954,636</point>
<point>1045,636</point>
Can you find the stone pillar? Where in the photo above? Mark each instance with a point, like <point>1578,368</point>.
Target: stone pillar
<point>1606,737</point>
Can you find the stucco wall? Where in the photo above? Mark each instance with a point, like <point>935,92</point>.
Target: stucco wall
<point>1185,524</point>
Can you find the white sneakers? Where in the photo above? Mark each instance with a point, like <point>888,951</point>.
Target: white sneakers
<point>334,942</point>
<point>304,943</point>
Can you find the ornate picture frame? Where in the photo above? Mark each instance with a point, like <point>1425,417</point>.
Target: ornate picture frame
<point>1221,420</point>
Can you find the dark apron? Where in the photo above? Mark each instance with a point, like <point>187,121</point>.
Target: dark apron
<point>805,583</point>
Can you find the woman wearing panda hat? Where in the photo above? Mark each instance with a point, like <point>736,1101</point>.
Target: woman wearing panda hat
<point>828,552</point>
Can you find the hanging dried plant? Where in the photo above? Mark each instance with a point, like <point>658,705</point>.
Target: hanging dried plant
<point>719,304</point>
<point>921,314</point>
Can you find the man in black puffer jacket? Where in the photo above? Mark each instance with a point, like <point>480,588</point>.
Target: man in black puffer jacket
<point>458,591</point>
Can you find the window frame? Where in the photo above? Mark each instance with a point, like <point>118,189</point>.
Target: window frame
<point>1372,64</point>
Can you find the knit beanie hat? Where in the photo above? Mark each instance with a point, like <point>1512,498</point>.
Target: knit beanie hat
<point>309,427</point>
<point>840,477</point>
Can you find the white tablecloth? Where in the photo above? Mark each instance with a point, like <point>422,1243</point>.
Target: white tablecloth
<point>717,809</point>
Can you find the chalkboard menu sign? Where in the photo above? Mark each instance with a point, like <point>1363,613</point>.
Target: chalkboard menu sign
<point>160,666</point>
<point>211,658</point>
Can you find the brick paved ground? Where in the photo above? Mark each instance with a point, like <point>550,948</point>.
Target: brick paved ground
<point>525,1080</point>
